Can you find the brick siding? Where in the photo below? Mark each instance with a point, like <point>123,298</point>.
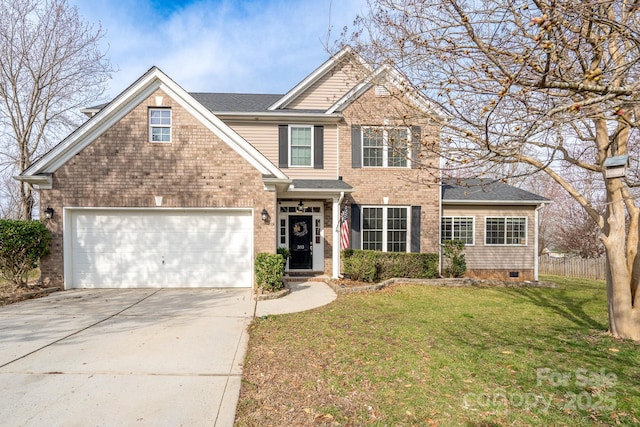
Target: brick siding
<point>122,169</point>
<point>402,186</point>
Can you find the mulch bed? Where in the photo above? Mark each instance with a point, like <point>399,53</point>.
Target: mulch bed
<point>343,286</point>
<point>10,294</point>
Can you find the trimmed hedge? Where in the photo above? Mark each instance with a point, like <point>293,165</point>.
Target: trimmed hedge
<point>22,243</point>
<point>269,272</point>
<point>375,266</point>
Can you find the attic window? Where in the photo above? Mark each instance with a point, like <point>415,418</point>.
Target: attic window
<point>159,125</point>
<point>381,91</point>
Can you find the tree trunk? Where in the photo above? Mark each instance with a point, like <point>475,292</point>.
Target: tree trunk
<point>624,317</point>
<point>26,201</point>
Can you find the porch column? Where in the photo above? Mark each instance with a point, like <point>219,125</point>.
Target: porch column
<point>335,226</point>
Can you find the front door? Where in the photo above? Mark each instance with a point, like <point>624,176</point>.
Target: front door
<point>300,243</point>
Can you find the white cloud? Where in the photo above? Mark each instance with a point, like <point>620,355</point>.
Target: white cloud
<point>220,45</point>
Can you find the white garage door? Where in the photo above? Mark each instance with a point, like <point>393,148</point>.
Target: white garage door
<point>158,248</point>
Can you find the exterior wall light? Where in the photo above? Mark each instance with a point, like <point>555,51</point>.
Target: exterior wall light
<point>48,213</point>
<point>300,207</point>
<point>265,215</point>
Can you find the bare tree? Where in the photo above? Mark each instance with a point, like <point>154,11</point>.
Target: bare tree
<point>50,66</point>
<point>549,84</point>
<point>563,224</point>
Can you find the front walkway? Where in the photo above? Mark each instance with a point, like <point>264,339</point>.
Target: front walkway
<point>304,296</point>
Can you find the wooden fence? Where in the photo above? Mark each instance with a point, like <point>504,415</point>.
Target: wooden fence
<point>593,268</point>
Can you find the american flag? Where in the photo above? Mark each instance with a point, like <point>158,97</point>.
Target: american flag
<point>344,230</point>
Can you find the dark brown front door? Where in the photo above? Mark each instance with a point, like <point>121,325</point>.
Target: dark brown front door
<point>300,235</point>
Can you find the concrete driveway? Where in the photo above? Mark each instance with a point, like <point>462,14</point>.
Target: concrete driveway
<point>146,357</point>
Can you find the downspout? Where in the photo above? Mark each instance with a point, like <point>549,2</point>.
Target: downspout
<point>440,212</point>
<point>536,258</point>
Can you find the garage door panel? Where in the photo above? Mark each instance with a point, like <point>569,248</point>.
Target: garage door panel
<point>161,248</point>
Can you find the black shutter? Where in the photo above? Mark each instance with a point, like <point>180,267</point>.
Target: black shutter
<point>318,147</point>
<point>415,228</point>
<point>355,226</point>
<point>283,146</point>
<point>356,147</point>
<point>416,145</point>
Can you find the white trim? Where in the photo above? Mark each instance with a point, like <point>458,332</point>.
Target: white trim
<point>386,147</point>
<point>39,182</point>
<point>453,217</point>
<point>536,260</point>
<point>317,258</point>
<point>335,227</point>
<point>505,217</point>
<point>316,75</point>
<point>496,202</point>
<point>151,126</point>
<point>396,79</point>
<point>312,147</point>
<point>280,116</point>
<point>385,229</point>
<point>153,80</point>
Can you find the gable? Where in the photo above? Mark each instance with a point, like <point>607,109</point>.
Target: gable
<point>121,164</point>
<point>308,92</point>
<point>329,88</point>
<point>143,89</point>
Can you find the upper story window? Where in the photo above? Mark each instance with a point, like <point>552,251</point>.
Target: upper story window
<point>385,147</point>
<point>385,228</point>
<point>159,125</point>
<point>301,146</point>
<point>506,231</point>
<point>457,228</point>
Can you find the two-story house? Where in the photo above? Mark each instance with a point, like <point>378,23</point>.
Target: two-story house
<point>161,187</point>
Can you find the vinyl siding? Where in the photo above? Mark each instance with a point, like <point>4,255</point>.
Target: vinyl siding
<point>264,136</point>
<point>329,89</point>
<point>495,257</point>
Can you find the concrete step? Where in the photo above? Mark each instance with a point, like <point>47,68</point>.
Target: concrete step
<point>305,277</point>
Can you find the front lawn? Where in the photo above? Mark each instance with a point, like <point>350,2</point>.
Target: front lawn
<point>420,355</point>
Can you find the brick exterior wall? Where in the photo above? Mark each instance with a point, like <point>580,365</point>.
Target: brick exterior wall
<point>122,169</point>
<point>402,186</point>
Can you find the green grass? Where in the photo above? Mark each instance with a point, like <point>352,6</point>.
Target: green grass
<point>418,355</point>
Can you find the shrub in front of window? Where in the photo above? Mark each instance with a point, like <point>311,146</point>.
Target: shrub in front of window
<point>269,272</point>
<point>22,244</point>
<point>407,265</point>
<point>455,265</point>
<point>360,265</point>
<point>375,266</point>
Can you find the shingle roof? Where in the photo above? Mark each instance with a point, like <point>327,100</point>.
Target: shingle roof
<point>320,184</point>
<point>236,102</point>
<point>489,190</point>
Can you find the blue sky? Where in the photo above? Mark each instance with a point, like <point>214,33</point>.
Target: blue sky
<point>253,46</point>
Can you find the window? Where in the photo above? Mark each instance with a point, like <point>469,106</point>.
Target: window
<point>372,147</point>
<point>160,125</point>
<point>385,228</point>
<point>457,228</point>
<point>385,147</point>
<point>506,231</point>
<point>301,145</point>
